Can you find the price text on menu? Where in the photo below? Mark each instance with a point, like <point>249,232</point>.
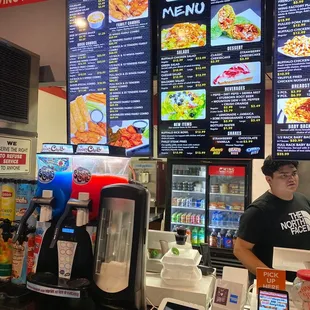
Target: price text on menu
<point>109,74</point>
<point>211,79</point>
<point>291,113</point>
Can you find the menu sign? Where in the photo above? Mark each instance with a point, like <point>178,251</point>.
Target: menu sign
<point>109,74</point>
<point>211,79</point>
<point>291,115</point>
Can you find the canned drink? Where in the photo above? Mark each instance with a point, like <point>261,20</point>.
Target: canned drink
<point>179,202</point>
<point>189,202</point>
<point>188,218</point>
<point>174,201</point>
<point>198,219</point>
<point>174,217</point>
<point>183,203</point>
<point>203,219</point>
<point>183,218</point>
<point>193,219</point>
<point>198,203</point>
<point>179,217</point>
<point>203,204</point>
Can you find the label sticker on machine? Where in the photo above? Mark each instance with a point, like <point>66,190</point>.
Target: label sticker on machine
<point>53,291</point>
<point>14,155</point>
<point>92,149</point>
<point>81,176</point>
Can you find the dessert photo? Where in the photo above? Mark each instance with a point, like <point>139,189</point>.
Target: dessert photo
<point>236,74</point>
<point>233,24</point>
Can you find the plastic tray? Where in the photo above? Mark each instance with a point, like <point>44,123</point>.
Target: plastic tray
<point>181,277</point>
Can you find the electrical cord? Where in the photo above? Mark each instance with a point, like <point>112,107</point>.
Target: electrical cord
<point>153,306</point>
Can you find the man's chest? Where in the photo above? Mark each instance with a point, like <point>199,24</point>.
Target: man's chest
<point>291,228</point>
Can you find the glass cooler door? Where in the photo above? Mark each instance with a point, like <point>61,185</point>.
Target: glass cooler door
<point>188,200</point>
<point>226,199</point>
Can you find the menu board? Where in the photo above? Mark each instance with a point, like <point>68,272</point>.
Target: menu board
<point>211,79</point>
<point>291,113</point>
<point>109,74</point>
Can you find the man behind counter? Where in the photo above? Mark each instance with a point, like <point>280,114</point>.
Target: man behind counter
<point>278,218</point>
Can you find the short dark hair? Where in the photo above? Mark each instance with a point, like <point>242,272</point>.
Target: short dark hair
<point>270,166</point>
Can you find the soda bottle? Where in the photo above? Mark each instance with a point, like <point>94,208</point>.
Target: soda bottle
<point>235,238</point>
<point>198,219</point>
<point>223,233</point>
<point>214,218</point>
<point>228,240</point>
<point>188,218</point>
<point>213,239</point>
<point>183,218</point>
<point>225,217</point>
<point>202,219</point>
<point>201,236</point>
<point>219,240</point>
<point>189,234</point>
<point>179,217</point>
<point>173,217</point>
<point>195,236</point>
<point>193,218</point>
<point>220,219</point>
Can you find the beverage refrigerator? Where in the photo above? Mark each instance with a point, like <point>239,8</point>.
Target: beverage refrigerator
<point>208,198</point>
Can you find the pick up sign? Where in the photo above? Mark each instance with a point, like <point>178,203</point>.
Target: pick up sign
<point>14,155</point>
<point>10,3</point>
<point>271,278</point>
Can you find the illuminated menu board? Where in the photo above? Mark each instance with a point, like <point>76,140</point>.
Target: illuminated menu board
<point>291,113</point>
<point>211,79</point>
<point>109,74</point>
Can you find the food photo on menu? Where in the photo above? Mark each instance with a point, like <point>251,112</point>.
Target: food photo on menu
<point>183,35</point>
<point>183,105</point>
<point>88,119</point>
<point>132,135</point>
<point>293,110</point>
<point>121,10</point>
<point>236,23</point>
<point>298,46</point>
<point>235,74</point>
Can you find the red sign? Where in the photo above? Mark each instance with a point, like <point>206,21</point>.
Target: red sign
<point>10,3</point>
<point>12,158</point>
<point>227,171</point>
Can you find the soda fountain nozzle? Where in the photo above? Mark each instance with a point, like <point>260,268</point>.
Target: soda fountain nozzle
<point>73,204</point>
<point>34,203</point>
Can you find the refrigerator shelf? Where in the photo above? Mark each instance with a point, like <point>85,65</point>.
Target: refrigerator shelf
<point>226,210</point>
<point>188,208</point>
<point>223,227</point>
<point>187,192</point>
<point>188,224</point>
<point>221,194</point>
<point>189,176</point>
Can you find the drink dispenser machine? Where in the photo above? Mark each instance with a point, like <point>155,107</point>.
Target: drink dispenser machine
<point>96,166</point>
<point>119,271</point>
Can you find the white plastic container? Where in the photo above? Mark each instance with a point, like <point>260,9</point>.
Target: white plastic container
<point>181,270</point>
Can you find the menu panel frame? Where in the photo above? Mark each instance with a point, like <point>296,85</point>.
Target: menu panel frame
<point>295,141</point>
<point>209,149</point>
<point>141,141</point>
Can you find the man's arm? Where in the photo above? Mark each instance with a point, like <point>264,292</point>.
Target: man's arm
<point>243,251</point>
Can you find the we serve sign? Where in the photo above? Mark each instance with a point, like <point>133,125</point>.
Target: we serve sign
<point>10,3</point>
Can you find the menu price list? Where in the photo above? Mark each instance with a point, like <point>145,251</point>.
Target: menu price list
<point>292,80</point>
<point>109,85</point>
<point>211,81</point>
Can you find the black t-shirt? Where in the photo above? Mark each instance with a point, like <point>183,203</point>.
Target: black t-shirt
<point>272,222</point>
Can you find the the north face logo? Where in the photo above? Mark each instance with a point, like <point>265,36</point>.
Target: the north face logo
<point>298,224</point>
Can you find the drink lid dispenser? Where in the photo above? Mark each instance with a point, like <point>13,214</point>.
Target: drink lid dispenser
<point>119,266</point>
<point>96,166</point>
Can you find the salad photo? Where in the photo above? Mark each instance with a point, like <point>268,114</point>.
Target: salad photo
<point>227,27</point>
<point>183,35</point>
<point>183,105</point>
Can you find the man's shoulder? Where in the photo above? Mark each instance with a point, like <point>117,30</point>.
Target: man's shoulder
<point>261,202</point>
<point>301,198</point>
